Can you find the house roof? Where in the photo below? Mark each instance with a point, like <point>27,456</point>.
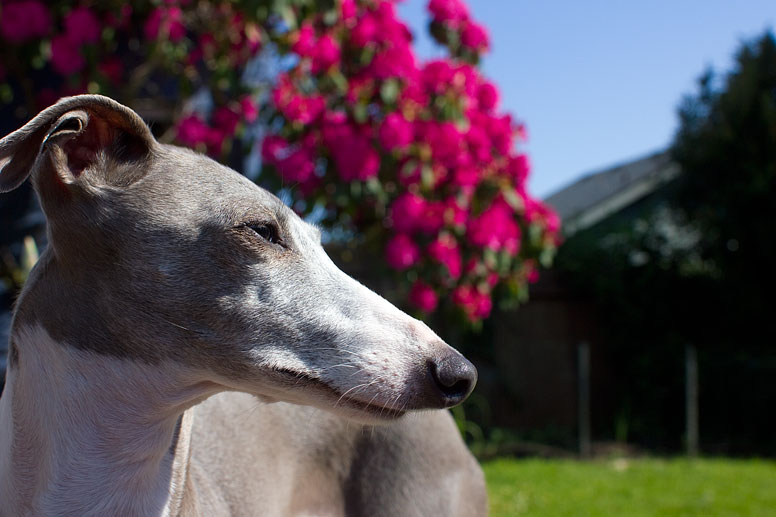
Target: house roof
<point>595,196</point>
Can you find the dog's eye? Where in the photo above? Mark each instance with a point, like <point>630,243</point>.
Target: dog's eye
<point>268,232</point>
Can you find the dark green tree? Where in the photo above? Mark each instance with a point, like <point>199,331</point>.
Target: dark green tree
<point>726,147</point>
<point>693,263</point>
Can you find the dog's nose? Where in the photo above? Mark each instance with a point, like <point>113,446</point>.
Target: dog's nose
<point>454,376</point>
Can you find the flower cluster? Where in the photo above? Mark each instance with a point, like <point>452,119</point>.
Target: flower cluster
<point>452,26</point>
<point>140,49</point>
<point>436,158</point>
<point>194,132</point>
<point>416,157</point>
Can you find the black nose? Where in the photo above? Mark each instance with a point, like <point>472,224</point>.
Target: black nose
<point>454,377</point>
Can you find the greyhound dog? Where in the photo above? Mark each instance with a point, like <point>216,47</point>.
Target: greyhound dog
<point>184,346</point>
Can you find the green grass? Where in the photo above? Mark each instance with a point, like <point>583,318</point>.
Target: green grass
<point>632,487</point>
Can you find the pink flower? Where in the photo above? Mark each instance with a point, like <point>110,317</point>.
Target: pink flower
<point>271,147</point>
<point>395,61</point>
<point>24,20</point>
<point>295,163</point>
<point>466,177</point>
<point>479,144</point>
<point>495,228</point>
<point>348,11</point>
<point>395,132</point>
<point>531,272</point>
<point>500,132</point>
<point>360,89</point>
<point>248,44</point>
<point>451,12</point>
<point>412,96</point>
<point>407,211</point>
<point>401,252</point>
<point>193,131</point>
<point>444,140</point>
<point>226,119</point>
<point>351,150</point>
<point>326,54</point>
<point>552,221</point>
<point>365,31</point>
<point>391,30</point>
<point>153,23</point>
<point>245,39</point>
<point>249,108</point>
<point>454,213</point>
<point>165,23</point>
<point>445,251</point>
<point>176,29</point>
<point>305,40</point>
<point>475,37</point>
<point>433,218</point>
<point>215,140</point>
<point>66,55</point>
<point>521,132</point>
<point>518,168</point>
<point>82,26</point>
<point>423,296</point>
<point>466,79</point>
<point>474,302</point>
<point>298,166</point>
<point>484,306</point>
<point>409,176</point>
<point>437,76</point>
<point>536,211</point>
<point>295,106</point>
<point>487,96</point>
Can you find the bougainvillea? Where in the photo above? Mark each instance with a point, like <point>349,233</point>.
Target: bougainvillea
<point>415,157</point>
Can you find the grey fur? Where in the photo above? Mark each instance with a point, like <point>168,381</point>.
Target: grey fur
<point>155,258</point>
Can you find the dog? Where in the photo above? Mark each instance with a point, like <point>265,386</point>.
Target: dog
<point>184,346</point>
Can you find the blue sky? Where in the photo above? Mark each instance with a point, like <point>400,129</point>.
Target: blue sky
<point>598,82</point>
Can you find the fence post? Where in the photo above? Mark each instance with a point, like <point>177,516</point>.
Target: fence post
<point>583,402</point>
<point>691,399</point>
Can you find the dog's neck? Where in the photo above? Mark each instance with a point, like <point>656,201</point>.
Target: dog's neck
<point>92,433</point>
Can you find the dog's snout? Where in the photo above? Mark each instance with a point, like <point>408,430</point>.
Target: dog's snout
<point>454,376</point>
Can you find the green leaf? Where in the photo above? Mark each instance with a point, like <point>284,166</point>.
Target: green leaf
<point>339,80</point>
<point>389,91</point>
<point>366,56</point>
<point>427,177</point>
<point>504,262</point>
<point>6,93</point>
<point>490,258</point>
<point>546,256</point>
<point>374,186</point>
<point>512,199</point>
<point>288,16</point>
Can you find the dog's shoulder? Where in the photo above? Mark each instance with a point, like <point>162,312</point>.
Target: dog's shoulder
<point>306,458</point>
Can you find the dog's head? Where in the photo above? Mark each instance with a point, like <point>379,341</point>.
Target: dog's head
<point>157,253</point>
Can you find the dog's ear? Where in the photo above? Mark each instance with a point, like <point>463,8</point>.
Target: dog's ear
<point>67,139</point>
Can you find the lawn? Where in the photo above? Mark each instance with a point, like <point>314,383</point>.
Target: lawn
<point>632,487</point>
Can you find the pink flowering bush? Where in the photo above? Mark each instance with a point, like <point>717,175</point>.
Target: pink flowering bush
<point>160,50</point>
<point>413,158</point>
<point>438,167</point>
